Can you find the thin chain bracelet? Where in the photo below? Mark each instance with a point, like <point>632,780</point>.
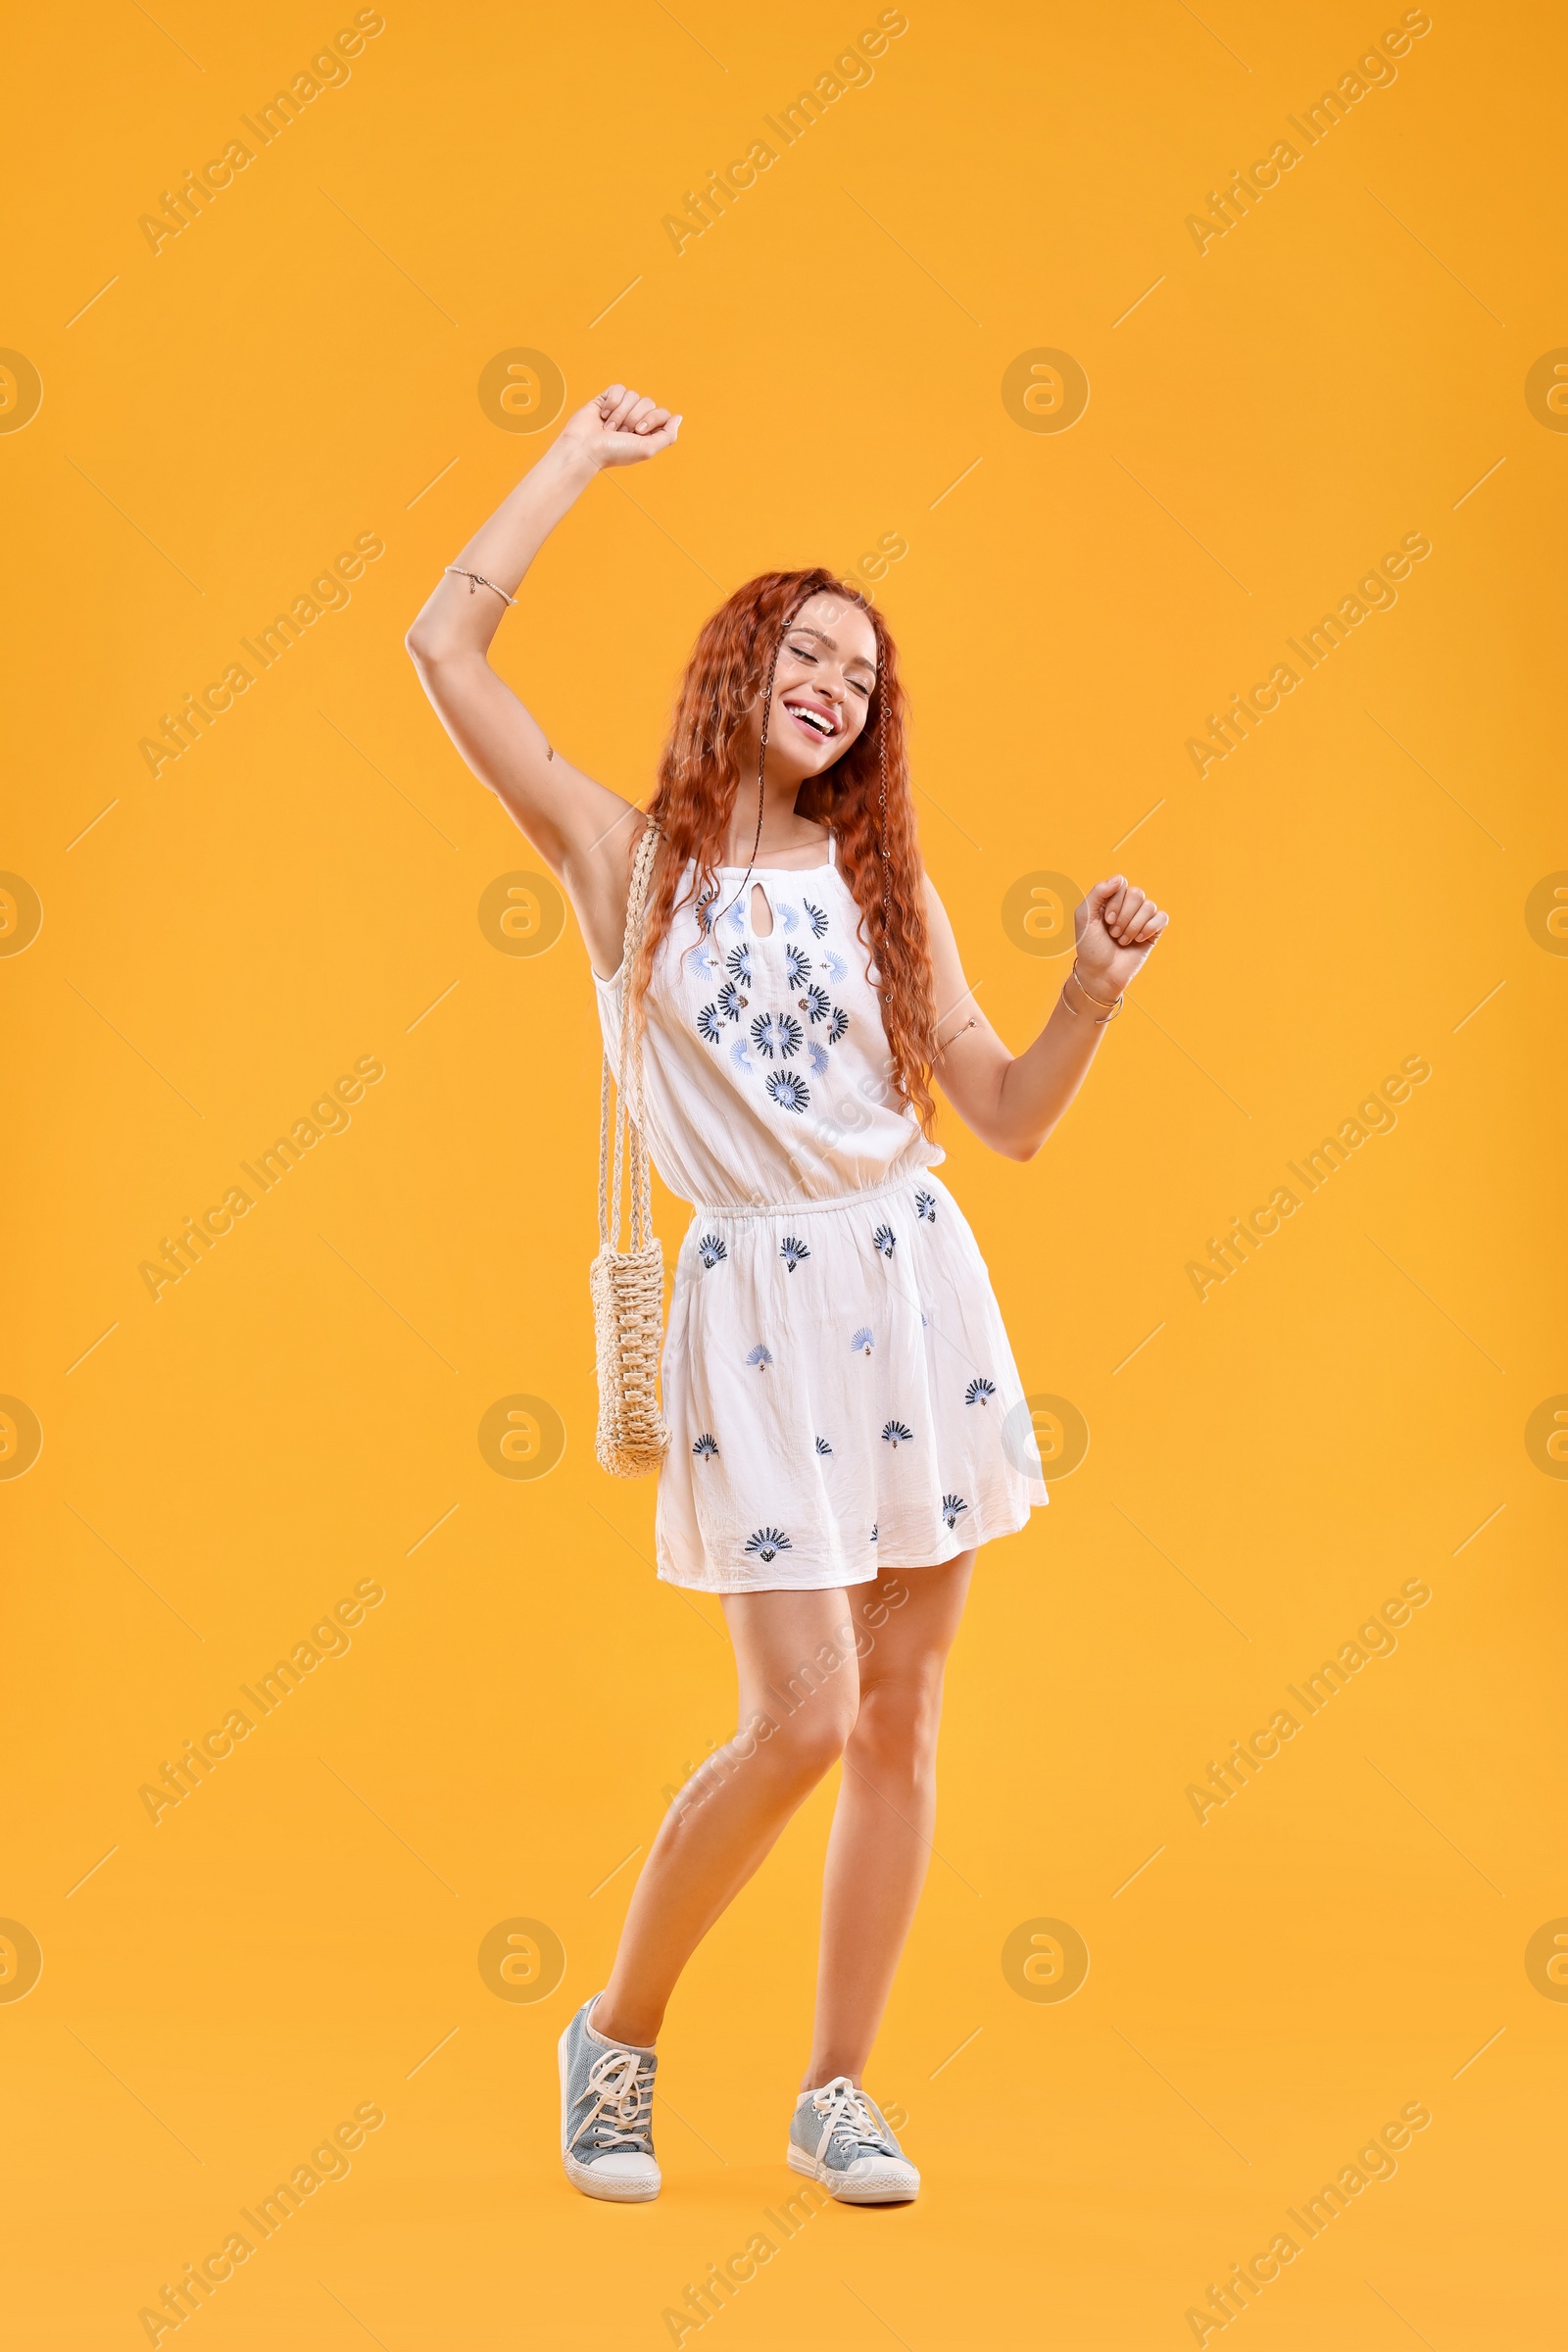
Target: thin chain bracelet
<point>476,579</point>
<point>1078,1016</point>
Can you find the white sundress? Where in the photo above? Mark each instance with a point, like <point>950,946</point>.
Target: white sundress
<point>836,1375</point>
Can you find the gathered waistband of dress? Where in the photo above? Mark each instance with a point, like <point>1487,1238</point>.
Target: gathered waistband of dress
<point>802,1206</point>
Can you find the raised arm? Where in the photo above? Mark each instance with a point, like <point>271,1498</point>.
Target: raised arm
<point>1011,1101</point>
<point>583,831</point>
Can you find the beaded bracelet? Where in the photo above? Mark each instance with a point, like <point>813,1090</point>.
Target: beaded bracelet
<point>476,579</point>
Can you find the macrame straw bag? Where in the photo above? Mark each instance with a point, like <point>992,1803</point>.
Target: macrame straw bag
<point>628,1285</point>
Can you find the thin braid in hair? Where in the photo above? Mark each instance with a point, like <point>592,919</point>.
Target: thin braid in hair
<point>882,805</point>
<point>762,749</point>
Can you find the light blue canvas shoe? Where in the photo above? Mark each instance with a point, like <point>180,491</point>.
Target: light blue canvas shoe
<point>843,2140</point>
<point>607,2102</point>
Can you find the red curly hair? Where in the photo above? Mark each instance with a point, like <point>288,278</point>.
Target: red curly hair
<point>730,670</point>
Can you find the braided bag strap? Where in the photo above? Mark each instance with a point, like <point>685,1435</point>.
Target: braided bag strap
<point>630,1154</point>
<point>628,1286</point>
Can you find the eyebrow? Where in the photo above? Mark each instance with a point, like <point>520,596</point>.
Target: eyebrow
<point>803,628</point>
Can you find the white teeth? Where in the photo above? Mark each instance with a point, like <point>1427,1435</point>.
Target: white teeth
<point>814,718</point>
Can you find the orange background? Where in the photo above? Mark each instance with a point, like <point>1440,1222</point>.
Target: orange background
<point>301,890</point>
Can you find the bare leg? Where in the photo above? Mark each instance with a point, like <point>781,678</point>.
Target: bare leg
<point>794,1715</point>
<point>881,1839</point>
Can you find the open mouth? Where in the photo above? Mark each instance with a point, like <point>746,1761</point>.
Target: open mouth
<point>820,724</point>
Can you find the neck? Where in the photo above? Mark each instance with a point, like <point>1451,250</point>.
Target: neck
<point>782,831</point>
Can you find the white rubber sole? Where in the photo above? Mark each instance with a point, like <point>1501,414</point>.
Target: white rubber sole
<point>889,2190</point>
<point>590,2177</point>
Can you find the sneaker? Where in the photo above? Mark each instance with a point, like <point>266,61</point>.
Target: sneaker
<point>607,2098</point>
<point>842,2139</point>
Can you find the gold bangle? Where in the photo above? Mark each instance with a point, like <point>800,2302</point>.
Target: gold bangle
<point>1089,991</point>
<point>1078,1016</point>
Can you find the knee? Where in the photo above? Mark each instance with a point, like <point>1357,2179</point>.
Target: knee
<point>809,1742</point>
<point>895,1730</point>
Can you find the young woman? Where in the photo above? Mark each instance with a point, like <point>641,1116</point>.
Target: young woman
<point>847,1424</point>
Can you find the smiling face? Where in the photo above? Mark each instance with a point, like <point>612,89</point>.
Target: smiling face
<point>822,686</point>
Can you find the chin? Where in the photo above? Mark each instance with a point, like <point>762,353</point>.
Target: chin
<point>803,765</point>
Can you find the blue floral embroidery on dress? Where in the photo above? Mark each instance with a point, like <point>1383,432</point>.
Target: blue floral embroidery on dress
<point>731,1004</point>
<point>761,1357</point>
<point>873,1535</point>
<point>733,916</point>
<point>739,963</point>
<point>778,1033</point>
<point>817,918</point>
<point>897,1434</point>
<point>823,1445</point>
<point>705,1449</point>
<point>816,1055</point>
<point>837,1025</point>
<point>798,964</point>
<point>979,1391</point>
<point>702,958</point>
<point>740,1054</point>
<point>864,1340</point>
<point>710,1027</point>
<point>711,1251</point>
<point>792,1251</point>
<point>834,965</point>
<point>952,1505</point>
<point>789,919</point>
<point>766,1542</point>
<point>815,1005</point>
<point>886,1240</point>
<point>925,1205</point>
<point>789,1094</point>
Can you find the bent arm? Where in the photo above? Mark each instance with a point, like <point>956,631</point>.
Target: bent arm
<point>583,831</point>
<point>1012,1101</point>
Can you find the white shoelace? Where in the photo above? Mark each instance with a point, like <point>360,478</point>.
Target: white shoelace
<point>846,2114</point>
<point>620,2085</point>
